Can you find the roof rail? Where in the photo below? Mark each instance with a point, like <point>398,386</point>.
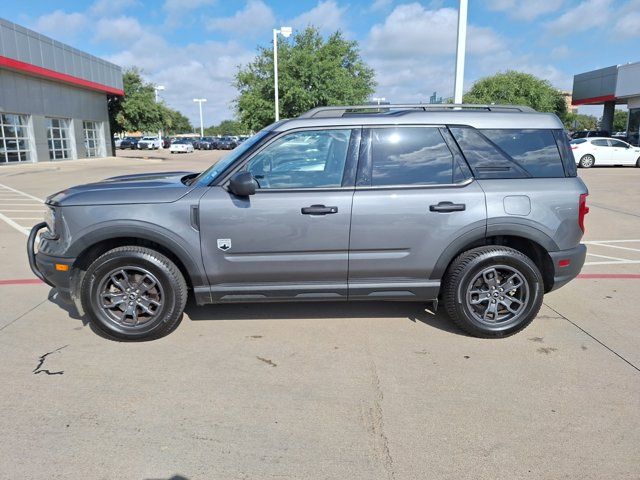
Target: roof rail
<point>324,112</point>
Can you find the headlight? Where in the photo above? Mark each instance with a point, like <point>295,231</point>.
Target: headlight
<point>50,218</point>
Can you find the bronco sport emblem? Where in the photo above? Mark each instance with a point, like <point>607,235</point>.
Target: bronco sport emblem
<point>224,244</point>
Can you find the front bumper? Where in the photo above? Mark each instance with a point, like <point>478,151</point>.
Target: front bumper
<point>564,274</point>
<point>47,267</point>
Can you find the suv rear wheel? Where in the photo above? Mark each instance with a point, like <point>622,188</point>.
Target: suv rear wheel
<point>134,293</point>
<point>493,291</point>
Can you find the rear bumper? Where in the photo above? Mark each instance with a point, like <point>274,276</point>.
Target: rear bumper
<point>563,275</point>
<point>44,266</point>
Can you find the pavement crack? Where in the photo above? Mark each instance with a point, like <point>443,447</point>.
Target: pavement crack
<point>594,338</point>
<point>41,360</point>
<point>374,422</point>
<point>267,361</point>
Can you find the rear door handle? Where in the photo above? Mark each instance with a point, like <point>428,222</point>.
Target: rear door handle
<point>318,210</point>
<point>445,207</point>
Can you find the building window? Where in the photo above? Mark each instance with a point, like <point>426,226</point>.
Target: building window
<point>633,128</point>
<point>59,137</point>
<point>14,138</point>
<point>93,139</point>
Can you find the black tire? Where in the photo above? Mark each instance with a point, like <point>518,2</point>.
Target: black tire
<point>638,163</point>
<point>155,297</point>
<point>587,161</point>
<point>465,278</point>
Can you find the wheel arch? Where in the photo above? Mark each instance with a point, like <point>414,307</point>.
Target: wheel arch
<point>534,245</point>
<point>90,246</point>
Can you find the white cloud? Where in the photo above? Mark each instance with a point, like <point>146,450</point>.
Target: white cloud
<point>381,5</point>
<point>525,9</point>
<point>256,17</point>
<point>327,16</point>
<point>587,15</point>
<point>559,52</point>
<point>61,25</point>
<point>119,31</point>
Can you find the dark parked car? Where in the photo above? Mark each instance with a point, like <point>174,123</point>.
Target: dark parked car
<point>590,133</point>
<point>476,207</point>
<point>226,143</point>
<point>129,142</point>
<point>206,143</point>
<point>166,142</point>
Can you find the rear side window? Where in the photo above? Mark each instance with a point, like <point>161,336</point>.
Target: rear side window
<point>599,143</point>
<point>534,150</point>
<point>578,141</point>
<point>410,156</point>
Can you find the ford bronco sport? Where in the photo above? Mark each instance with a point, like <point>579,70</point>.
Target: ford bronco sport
<point>475,206</point>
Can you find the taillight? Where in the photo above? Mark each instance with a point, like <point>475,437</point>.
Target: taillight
<point>582,210</point>
<point>574,147</point>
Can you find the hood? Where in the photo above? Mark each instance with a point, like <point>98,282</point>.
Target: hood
<point>163,187</point>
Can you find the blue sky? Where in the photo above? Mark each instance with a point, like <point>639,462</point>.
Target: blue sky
<point>193,47</point>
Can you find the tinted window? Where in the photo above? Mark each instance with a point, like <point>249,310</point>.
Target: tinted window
<point>534,150</point>
<point>599,143</point>
<point>578,141</point>
<point>410,156</point>
<point>306,159</point>
<point>484,158</point>
<point>618,143</point>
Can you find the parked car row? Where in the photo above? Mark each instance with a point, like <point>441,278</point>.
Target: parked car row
<point>227,142</point>
<point>591,151</point>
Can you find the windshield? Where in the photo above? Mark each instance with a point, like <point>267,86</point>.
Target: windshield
<point>210,174</point>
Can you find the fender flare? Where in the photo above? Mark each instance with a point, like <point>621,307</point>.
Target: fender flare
<point>144,231</point>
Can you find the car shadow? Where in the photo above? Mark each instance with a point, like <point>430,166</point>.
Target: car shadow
<point>412,311</point>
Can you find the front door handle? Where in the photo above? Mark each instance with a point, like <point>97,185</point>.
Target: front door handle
<point>318,210</point>
<point>444,207</point>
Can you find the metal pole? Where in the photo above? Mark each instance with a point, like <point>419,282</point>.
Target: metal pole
<point>201,122</point>
<point>275,72</point>
<point>460,51</point>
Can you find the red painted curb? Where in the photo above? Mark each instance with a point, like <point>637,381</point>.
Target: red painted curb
<point>22,281</point>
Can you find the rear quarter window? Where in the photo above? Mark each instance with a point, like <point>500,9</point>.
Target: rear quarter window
<point>511,153</point>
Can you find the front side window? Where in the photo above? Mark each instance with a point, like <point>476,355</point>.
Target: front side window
<point>59,139</point>
<point>304,159</point>
<point>410,156</point>
<point>14,138</point>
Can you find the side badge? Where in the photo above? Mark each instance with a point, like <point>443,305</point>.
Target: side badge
<point>224,244</point>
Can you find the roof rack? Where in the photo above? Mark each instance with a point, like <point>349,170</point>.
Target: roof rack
<point>324,112</point>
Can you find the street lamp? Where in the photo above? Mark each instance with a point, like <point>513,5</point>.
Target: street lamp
<point>378,99</point>
<point>200,101</point>
<point>285,32</point>
<point>460,51</point>
<point>158,88</point>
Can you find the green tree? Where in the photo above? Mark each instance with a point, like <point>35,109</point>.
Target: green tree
<point>137,110</point>
<point>176,122</point>
<point>579,121</point>
<point>518,88</point>
<point>312,72</point>
<point>620,119</point>
<point>227,127</point>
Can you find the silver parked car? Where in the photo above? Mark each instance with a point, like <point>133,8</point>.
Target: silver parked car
<point>476,207</point>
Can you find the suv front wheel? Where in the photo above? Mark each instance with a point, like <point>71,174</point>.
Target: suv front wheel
<point>493,291</point>
<point>134,293</point>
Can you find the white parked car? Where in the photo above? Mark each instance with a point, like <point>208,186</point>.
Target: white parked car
<point>117,142</point>
<point>181,146</point>
<point>604,151</point>
<point>149,143</point>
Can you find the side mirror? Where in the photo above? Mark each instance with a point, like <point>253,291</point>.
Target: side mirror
<point>242,184</point>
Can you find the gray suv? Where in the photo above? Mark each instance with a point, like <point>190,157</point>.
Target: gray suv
<point>476,207</point>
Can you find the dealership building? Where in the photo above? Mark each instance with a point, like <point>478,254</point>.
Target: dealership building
<point>53,99</point>
<point>611,86</point>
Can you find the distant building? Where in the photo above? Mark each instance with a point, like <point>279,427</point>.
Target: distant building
<point>568,98</point>
<point>611,86</point>
<point>53,99</point>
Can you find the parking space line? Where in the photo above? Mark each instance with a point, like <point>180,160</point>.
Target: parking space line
<point>11,198</point>
<point>617,246</point>
<point>611,241</point>
<point>624,262</point>
<point>15,225</point>
<point>605,256</point>
<point>21,193</point>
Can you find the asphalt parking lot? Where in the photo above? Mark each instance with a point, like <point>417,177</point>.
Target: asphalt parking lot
<point>359,391</point>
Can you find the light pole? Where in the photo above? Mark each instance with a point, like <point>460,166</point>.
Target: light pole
<point>460,51</point>
<point>200,100</point>
<point>285,32</point>
<point>158,88</point>
<point>378,99</point>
